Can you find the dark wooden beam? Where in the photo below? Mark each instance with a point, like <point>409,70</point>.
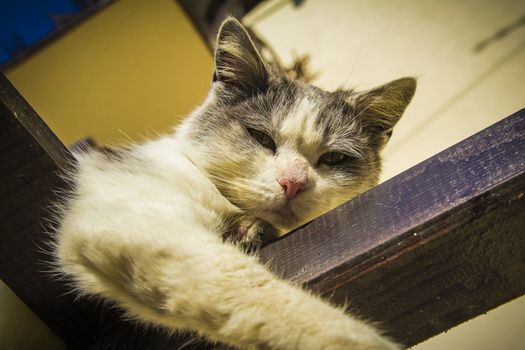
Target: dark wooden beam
<point>432,247</point>
<point>31,158</point>
<point>422,252</point>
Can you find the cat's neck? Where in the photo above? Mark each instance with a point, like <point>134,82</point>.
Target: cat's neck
<point>165,153</point>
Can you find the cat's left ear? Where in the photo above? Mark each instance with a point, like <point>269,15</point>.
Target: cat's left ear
<point>237,62</point>
<point>382,107</point>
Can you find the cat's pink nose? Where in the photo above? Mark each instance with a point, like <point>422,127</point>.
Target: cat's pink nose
<point>291,188</point>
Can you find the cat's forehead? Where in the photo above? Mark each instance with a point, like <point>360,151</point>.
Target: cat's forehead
<point>313,118</point>
<point>299,126</point>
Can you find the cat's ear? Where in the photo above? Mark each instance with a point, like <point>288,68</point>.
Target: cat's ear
<point>237,62</point>
<point>382,107</point>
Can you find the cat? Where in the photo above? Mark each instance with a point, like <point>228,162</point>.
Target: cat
<point>159,227</point>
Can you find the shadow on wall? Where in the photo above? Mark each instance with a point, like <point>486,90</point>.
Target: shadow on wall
<point>20,328</point>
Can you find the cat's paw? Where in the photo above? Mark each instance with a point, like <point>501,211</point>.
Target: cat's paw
<point>249,231</point>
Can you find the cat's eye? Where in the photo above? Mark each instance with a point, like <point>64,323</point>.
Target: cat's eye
<point>333,158</point>
<point>262,138</point>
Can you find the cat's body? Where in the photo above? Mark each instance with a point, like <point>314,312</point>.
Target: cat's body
<point>146,227</point>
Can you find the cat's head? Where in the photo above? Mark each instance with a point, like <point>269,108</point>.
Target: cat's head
<point>281,149</point>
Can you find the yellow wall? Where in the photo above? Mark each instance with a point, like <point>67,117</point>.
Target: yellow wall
<point>137,66</point>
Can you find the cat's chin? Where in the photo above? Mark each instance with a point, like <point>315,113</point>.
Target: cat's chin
<point>282,218</point>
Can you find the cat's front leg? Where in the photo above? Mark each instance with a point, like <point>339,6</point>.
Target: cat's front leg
<point>195,281</point>
<point>248,230</point>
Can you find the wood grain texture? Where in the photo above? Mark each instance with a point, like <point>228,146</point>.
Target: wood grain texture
<point>31,159</point>
<point>431,248</point>
<point>30,156</point>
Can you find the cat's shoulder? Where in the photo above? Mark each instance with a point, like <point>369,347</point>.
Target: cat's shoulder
<point>151,157</point>
<point>156,170</point>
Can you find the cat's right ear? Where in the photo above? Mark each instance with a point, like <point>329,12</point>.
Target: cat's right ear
<point>237,62</point>
<point>382,107</point>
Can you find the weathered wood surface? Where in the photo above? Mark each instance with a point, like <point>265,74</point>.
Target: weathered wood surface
<point>430,248</point>
<point>31,158</point>
<point>433,247</point>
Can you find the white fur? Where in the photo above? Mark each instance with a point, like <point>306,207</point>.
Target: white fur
<point>299,129</point>
<point>146,230</point>
<point>146,233</point>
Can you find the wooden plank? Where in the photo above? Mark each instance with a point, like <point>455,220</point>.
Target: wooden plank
<point>31,158</point>
<point>430,248</point>
<point>433,247</point>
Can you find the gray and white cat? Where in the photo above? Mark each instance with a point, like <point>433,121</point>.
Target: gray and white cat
<point>146,227</point>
